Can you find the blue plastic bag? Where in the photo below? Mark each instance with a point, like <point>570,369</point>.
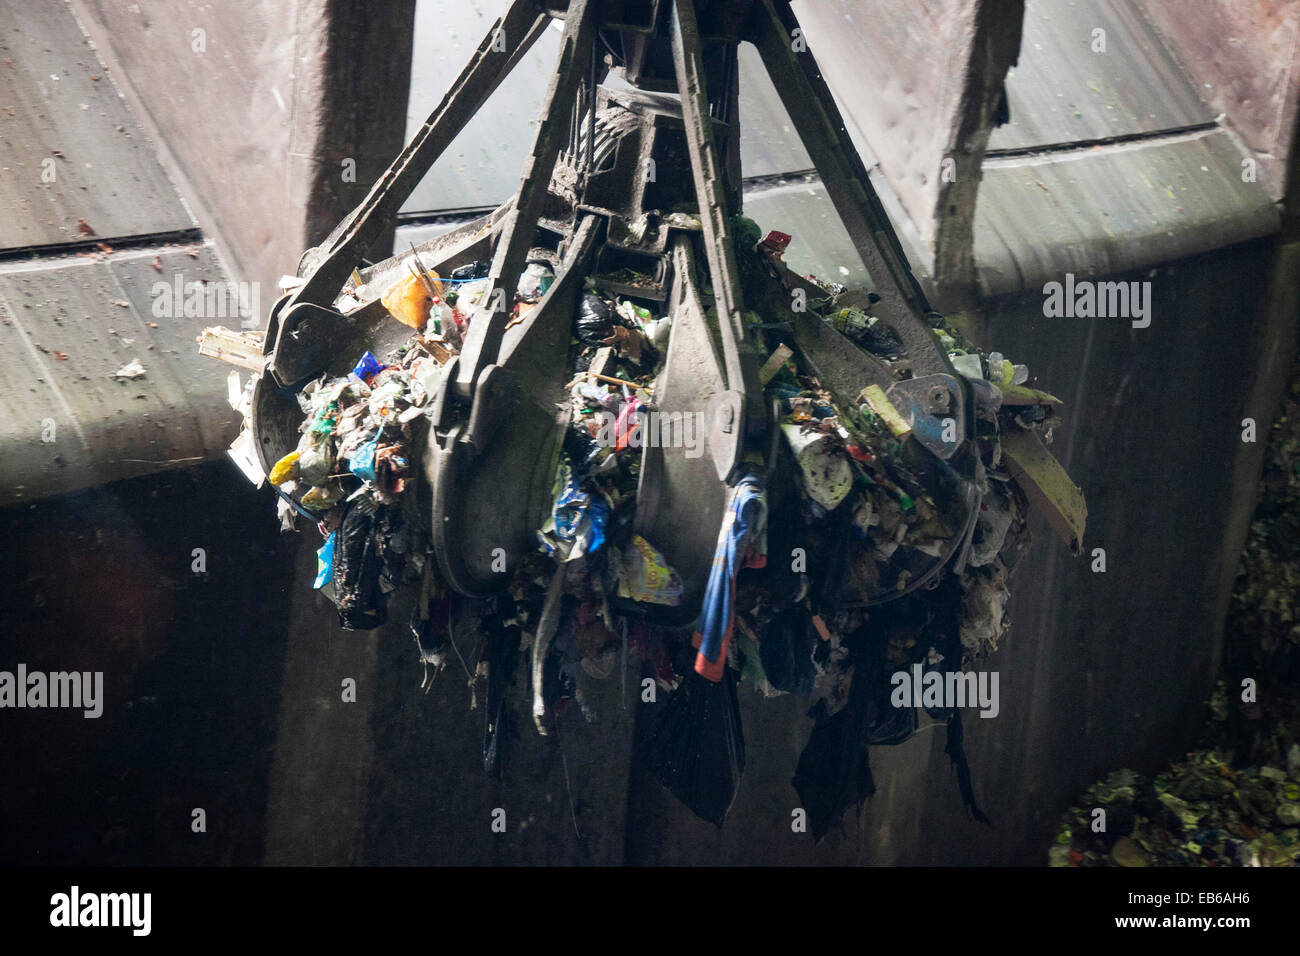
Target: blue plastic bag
<point>362,462</point>
<point>325,563</point>
<point>368,367</point>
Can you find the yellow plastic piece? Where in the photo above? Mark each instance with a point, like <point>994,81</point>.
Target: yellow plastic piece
<point>875,396</point>
<point>284,469</point>
<point>1046,484</point>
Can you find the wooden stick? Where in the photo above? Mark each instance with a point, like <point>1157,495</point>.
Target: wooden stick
<point>611,379</point>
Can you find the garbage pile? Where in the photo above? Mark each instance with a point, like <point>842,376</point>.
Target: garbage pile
<point>826,577</point>
<point>1201,812</point>
<point>361,441</point>
<point>1235,800</point>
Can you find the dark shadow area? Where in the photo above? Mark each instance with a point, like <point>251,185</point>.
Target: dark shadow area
<point>104,581</point>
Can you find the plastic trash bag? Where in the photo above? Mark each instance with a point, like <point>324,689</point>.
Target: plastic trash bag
<point>362,462</point>
<point>592,325</point>
<point>580,445</point>
<point>408,300</point>
<point>786,650</point>
<point>834,771</point>
<point>696,747</point>
<point>535,280</point>
<point>475,270</point>
<point>356,568</point>
<point>325,562</point>
<point>576,525</point>
<point>367,368</point>
<point>285,469</point>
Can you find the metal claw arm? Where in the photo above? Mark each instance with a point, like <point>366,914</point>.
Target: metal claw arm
<point>935,392</point>
<point>707,170</point>
<point>812,109</point>
<point>509,38</point>
<point>488,324</point>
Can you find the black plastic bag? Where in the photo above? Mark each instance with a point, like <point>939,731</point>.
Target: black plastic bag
<point>356,568</point>
<point>786,650</point>
<point>697,748</point>
<point>475,270</point>
<point>592,325</point>
<point>834,771</point>
<point>501,652</point>
<point>879,339</point>
<point>580,445</point>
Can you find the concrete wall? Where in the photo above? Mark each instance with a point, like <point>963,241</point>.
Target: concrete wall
<point>1243,56</point>
<point>104,581</point>
<point>255,114</point>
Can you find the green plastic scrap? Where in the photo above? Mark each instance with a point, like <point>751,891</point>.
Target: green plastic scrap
<point>1184,812</point>
<point>326,419</point>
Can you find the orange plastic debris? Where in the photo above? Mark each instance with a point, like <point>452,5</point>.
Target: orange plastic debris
<point>408,299</point>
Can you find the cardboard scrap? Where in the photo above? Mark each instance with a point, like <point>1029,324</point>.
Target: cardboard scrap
<point>1046,483</point>
<point>242,349</point>
<point>773,364</point>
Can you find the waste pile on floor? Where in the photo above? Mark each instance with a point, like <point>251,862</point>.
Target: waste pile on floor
<point>1235,800</point>
<point>848,563</point>
<point>1201,812</point>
